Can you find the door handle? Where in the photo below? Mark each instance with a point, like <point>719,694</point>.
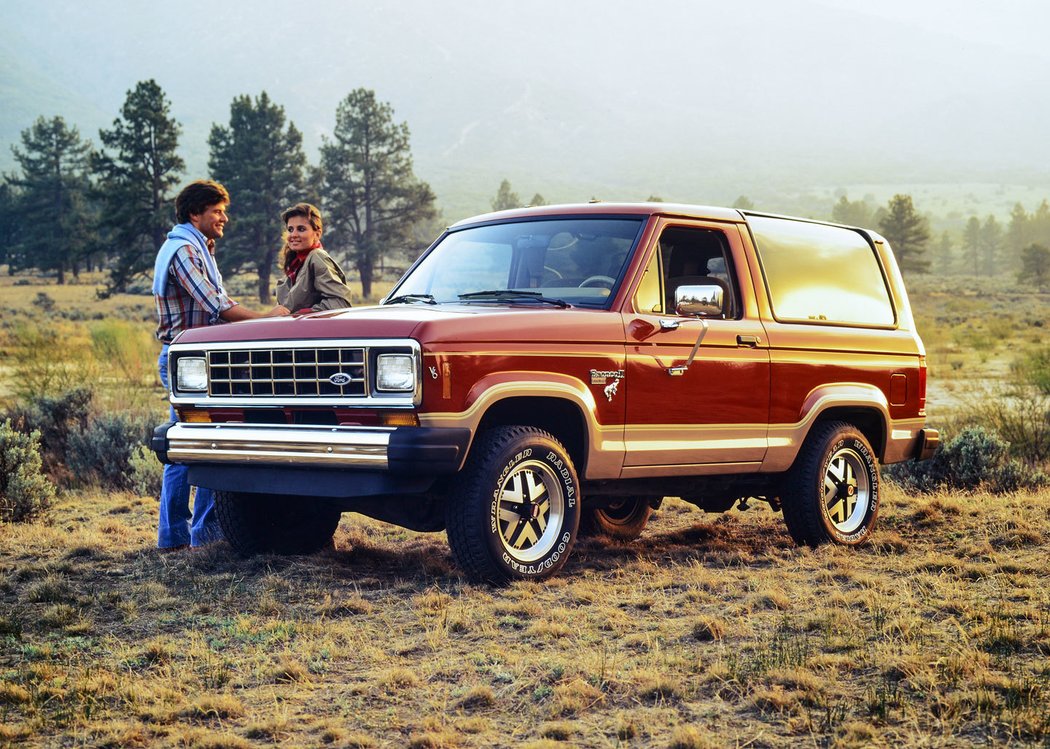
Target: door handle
<point>747,340</point>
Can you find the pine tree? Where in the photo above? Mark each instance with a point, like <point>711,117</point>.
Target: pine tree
<point>53,191</point>
<point>135,177</point>
<point>1018,233</point>
<point>1035,265</point>
<point>943,254</point>
<point>856,213</point>
<point>371,196</point>
<point>907,232</point>
<point>9,199</point>
<point>261,162</point>
<point>537,200</point>
<point>972,245</point>
<point>505,197</point>
<point>991,244</point>
<point>1040,225</point>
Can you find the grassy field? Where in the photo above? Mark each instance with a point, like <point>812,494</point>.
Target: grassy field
<point>709,631</point>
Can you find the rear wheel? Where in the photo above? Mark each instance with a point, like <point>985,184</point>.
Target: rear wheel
<point>514,511</point>
<point>271,523</point>
<point>623,518</point>
<point>832,491</point>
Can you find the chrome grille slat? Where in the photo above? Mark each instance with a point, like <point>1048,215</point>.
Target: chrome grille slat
<point>299,372</point>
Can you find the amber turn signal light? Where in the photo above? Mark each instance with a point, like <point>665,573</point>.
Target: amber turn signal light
<point>400,419</point>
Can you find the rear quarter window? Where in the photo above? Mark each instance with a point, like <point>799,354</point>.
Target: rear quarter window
<point>820,273</point>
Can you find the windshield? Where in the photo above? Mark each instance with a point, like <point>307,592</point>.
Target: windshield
<point>576,261</point>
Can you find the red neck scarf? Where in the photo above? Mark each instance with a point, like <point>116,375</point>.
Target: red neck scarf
<point>296,263</point>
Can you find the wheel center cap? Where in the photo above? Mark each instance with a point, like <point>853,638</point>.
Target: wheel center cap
<point>851,490</point>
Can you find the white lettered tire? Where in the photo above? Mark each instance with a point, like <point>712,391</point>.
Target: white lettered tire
<point>514,512</point>
<point>831,494</point>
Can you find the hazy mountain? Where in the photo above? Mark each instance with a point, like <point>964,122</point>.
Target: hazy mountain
<point>691,100</point>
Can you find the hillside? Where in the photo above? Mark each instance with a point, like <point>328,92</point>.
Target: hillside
<point>695,101</point>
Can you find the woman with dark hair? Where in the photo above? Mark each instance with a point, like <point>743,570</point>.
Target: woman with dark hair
<point>313,280</point>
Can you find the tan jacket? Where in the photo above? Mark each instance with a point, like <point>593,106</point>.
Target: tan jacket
<point>319,285</point>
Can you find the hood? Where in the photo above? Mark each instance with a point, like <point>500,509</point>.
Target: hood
<point>459,323</point>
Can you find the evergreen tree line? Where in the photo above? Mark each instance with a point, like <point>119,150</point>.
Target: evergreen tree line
<point>74,207</point>
<point>984,248</point>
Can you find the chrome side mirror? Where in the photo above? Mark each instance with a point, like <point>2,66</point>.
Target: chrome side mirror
<point>702,300</point>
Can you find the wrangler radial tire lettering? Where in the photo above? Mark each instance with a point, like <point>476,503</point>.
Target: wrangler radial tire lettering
<point>832,491</point>
<point>514,510</point>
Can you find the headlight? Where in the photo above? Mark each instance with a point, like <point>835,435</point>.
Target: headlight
<point>191,374</point>
<point>395,373</point>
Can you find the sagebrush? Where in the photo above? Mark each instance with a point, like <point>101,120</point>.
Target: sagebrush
<point>25,492</point>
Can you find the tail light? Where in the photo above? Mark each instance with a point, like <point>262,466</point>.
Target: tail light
<point>922,386</point>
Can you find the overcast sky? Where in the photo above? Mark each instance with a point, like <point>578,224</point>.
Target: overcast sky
<point>601,95</point>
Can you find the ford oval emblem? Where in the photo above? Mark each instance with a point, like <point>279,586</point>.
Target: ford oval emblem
<point>340,379</point>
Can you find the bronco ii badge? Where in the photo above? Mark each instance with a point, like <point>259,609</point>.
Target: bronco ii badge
<point>602,377</point>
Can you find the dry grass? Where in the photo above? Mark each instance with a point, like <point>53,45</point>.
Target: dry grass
<point>706,632</point>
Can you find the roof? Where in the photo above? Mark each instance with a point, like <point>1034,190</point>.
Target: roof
<point>600,208</point>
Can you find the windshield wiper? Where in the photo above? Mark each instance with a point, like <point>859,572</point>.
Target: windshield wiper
<point>410,298</point>
<point>512,295</point>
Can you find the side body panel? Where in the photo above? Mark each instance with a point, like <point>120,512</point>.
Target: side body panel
<point>869,372</point>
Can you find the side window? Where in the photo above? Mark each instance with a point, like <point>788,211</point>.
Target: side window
<point>692,256</point>
<point>816,272</point>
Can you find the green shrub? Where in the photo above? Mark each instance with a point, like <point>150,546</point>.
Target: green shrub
<point>1019,415</point>
<point>975,458</point>
<point>55,418</point>
<point>24,490</point>
<point>44,302</point>
<point>146,472</point>
<point>103,452</point>
<point>1034,370</point>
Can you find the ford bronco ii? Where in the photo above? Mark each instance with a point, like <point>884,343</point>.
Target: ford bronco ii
<point>543,372</point>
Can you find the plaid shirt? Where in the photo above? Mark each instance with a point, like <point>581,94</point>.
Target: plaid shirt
<point>190,299</point>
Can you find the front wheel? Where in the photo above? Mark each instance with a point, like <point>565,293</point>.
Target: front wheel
<point>271,523</point>
<point>514,512</point>
<point>832,491</point>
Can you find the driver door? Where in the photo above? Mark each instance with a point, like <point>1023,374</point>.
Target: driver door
<point>714,414</point>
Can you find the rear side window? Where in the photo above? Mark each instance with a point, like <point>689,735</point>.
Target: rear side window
<point>821,273</point>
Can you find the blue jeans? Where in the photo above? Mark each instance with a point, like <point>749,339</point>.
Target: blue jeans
<point>178,526</point>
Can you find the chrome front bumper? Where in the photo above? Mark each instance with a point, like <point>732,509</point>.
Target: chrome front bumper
<point>241,451</point>
<point>337,447</point>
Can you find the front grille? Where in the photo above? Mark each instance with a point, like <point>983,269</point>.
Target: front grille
<point>300,372</point>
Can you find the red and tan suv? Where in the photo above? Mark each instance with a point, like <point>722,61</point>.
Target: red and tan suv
<point>542,371</point>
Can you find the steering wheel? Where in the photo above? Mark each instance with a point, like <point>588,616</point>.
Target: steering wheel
<point>553,271</point>
<point>606,281</point>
